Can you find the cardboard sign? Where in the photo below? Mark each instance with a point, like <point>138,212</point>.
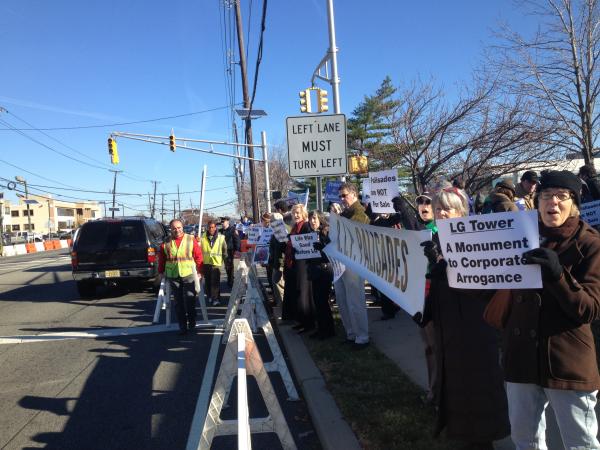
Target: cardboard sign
<point>253,234</point>
<point>383,188</point>
<point>485,251</point>
<point>295,198</point>
<point>261,254</point>
<point>265,235</point>
<point>391,260</point>
<point>279,230</point>
<point>590,213</point>
<point>304,245</point>
<point>332,191</point>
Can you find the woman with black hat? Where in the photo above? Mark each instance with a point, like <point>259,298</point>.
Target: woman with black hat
<point>549,351</point>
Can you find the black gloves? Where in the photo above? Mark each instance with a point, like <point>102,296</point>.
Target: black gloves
<point>548,260</point>
<point>418,318</point>
<point>432,251</point>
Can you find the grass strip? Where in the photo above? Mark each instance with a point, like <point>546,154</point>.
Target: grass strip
<point>382,406</point>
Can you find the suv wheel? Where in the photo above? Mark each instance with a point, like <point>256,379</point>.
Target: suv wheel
<point>86,289</point>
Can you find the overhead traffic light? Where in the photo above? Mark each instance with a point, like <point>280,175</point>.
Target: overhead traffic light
<point>172,144</point>
<point>305,101</point>
<point>322,100</point>
<point>112,151</point>
<point>358,164</point>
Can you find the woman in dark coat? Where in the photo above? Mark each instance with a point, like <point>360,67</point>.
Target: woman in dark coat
<point>321,277</point>
<point>298,289</point>
<point>470,391</point>
<point>549,351</point>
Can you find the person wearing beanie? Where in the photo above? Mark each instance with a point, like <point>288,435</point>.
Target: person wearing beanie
<point>502,198</point>
<point>549,350</point>
<point>525,190</point>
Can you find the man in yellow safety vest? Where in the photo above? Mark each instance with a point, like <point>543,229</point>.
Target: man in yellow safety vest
<point>214,251</point>
<point>176,260</point>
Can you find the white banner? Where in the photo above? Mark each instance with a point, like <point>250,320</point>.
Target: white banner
<point>279,230</point>
<point>338,267</point>
<point>304,245</point>
<point>590,213</point>
<point>391,260</point>
<point>383,188</point>
<point>485,251</point>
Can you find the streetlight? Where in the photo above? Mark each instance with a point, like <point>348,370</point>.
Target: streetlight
<point>22,180</point>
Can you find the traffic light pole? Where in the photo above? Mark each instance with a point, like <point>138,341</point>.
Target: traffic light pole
<point>114,192</point>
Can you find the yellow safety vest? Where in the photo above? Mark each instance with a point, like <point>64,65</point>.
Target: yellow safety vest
<point>179,261</point>
<point>213,255</point>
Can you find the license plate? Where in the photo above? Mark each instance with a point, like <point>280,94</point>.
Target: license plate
<point>112,273</point>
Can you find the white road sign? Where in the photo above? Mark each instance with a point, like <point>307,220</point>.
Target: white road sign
<point>317,145</point>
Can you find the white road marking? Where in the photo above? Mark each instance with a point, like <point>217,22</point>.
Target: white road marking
<point>95,334</point>
<point>193,442</point>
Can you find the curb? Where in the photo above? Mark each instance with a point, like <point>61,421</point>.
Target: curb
<point>332,429</point>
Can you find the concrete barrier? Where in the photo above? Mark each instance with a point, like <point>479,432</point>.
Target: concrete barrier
<point>8,250</point>
<point>20,249</point>
<point>39,247</point>
<point>55,244</point>
<point>64,243</point>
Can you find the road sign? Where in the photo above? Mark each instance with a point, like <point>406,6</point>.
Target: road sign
<point>113,209</point>
<point>316,145</point>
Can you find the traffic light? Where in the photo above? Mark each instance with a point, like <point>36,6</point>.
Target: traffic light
<point>112,151</point>
<point>322,100</point>
<point>305,101</point>
<point>358,164</point>
<point>172,144</point>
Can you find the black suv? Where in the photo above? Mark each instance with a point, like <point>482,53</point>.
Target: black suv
<point>116,250</point>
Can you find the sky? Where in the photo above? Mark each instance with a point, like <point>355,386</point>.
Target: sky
<point>88,67</point>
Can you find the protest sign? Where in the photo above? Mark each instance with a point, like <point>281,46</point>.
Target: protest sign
<point>265,235</point>
<point>295,198</point>
<point>279,230</point>
<point>253,234</point>
<point>390,259</point>
<point>590,213</point>
<point>383,188</point>
<point>304,245</point>
<point>485,251</point>
<point>261,254</point>
<point>332,191</point>
<point>366,190</point>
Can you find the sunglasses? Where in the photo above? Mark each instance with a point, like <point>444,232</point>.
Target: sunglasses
<point>423,201</point>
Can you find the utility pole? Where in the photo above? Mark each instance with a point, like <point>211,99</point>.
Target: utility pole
<point>248,121</point>
<point>178,201</point>
<point>49,221</point>
<point>149,203</point>
<point>24,181</point>
<point>174,210</point>
<point>114,193</point>
<point>154,200</point>
<point>162,209</point>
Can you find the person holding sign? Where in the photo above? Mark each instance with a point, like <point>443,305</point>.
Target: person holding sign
<point>470,391</point>
<point>320,274</point>
<point>297,301</point>
<point>214,251</point>
<point>549,350</point>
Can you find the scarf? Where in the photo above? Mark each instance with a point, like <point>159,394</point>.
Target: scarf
<point>289,249</point>
<point>553,237</point>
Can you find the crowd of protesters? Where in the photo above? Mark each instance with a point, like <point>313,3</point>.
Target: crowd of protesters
<point>484,387</point>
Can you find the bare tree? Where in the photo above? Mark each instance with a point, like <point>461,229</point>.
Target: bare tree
<point>556,68</point>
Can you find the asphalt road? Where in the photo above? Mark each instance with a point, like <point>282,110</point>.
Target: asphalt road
<point>114,392</point>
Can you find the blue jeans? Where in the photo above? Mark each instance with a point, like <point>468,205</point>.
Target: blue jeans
<point>574,412</point>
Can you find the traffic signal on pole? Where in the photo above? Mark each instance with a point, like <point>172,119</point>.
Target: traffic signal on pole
<point>322,100</point>
<point>305,101</point>
<point>358,164</point>
<point>112,151</point>
<point>172,144</point>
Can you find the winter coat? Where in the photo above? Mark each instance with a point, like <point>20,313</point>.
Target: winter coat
<point>232,238</point>
<point>470,389</point>
<point>527,197</point>
<point>356,212</point>
<point>590,190</point>
<point>498,202</point>
<point>548,340</point>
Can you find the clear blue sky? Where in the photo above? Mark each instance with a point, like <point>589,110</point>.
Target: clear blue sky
<point>70,63</point>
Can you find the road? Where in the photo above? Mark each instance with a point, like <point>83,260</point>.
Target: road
<point>117,391</point>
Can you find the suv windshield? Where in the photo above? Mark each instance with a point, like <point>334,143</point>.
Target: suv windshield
<point>111,235</point>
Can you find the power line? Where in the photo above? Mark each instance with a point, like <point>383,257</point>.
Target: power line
<point>117,124</point>
<point>36,175</point>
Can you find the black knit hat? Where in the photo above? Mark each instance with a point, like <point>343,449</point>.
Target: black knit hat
<point>562,179</point>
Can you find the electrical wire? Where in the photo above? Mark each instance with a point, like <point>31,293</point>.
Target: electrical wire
<point>36,175</point>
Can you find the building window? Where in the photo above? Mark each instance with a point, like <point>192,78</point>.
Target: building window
<point>7,228</point>
<point>7,210</point>
<point>16,227</point>
<point>30,213</point>
<point>26,227</point>
<point>65,212</point>
<point>80,211</point>
<point>14,213</point>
